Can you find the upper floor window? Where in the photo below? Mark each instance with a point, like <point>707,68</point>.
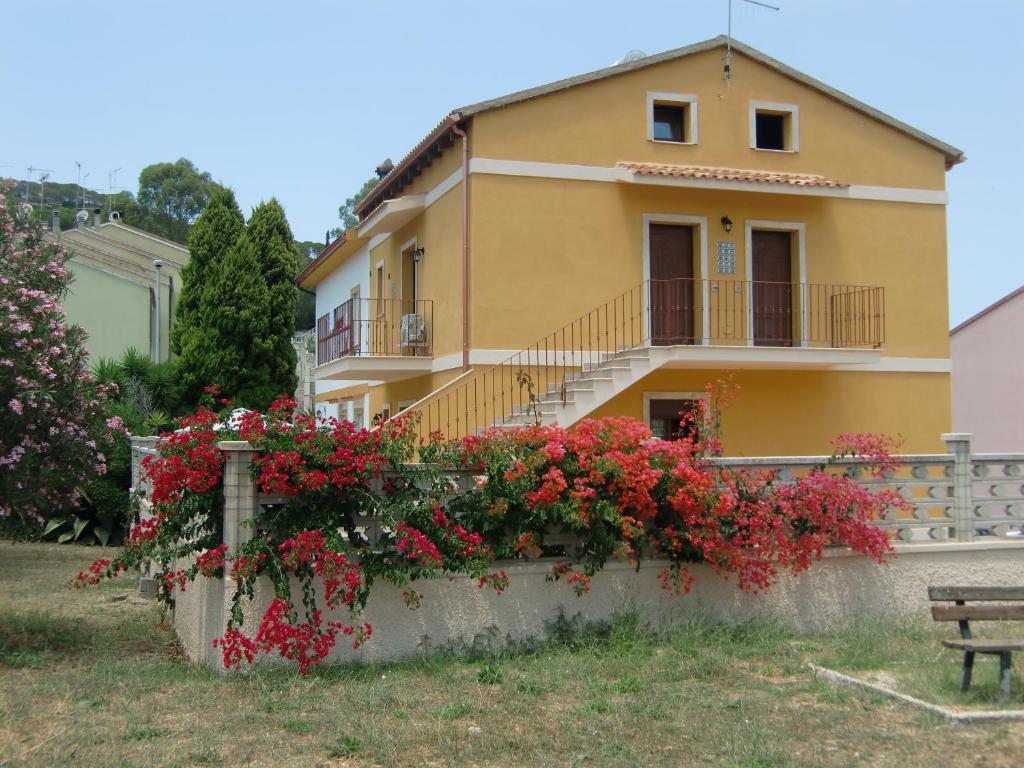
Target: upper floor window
<point>672,118</point>
<point>774,127</point>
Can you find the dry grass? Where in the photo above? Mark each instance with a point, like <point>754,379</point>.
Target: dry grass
<point>92,679</point>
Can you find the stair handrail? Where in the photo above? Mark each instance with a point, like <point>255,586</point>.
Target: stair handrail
<point>639,331</point>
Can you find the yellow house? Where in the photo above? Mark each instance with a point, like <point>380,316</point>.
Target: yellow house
<point>610,243</point>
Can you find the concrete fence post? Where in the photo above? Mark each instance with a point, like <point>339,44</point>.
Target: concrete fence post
<point>240,493</point>
<point>958,444</point>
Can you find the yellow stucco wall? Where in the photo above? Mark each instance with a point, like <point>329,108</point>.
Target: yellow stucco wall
<point>396,392</point>
<point>545,251</point>
<point>525,285</point>
<point>603,122</point>
<point>793,413</point>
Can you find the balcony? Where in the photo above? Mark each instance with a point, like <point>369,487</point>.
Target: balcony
<point>375,339</point>
<point>763,314</point>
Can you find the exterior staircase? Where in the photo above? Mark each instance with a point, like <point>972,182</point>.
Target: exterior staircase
<point>574,370</point>
<point>584,392</point>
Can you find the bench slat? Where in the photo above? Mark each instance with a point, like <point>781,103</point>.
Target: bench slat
<point>978,612</point>
<point>985,646</point>
<point>976,593</point>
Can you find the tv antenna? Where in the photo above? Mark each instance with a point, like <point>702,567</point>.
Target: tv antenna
<point>727,69</point>
<point>111,181</point>
<point>44,174</point>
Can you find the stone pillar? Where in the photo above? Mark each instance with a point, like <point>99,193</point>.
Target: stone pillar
<point>958,445</point>
<point>240,502</point>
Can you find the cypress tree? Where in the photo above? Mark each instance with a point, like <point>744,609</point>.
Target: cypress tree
<point>272,239</point>
<point>216,230</point>
<point>214,233</point>
<point>236,319</point>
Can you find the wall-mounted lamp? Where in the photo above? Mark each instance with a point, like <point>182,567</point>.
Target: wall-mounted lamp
<point>418,254</point>
<point>727,224</point>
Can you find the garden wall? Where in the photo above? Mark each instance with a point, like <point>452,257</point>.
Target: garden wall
<point>840,590</point>
<point>964,527</point>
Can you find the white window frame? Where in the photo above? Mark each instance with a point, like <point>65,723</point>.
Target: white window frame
<point>701,222</point>
<point>793,110</point>
<point>798,227</point>
<point>687,100</point>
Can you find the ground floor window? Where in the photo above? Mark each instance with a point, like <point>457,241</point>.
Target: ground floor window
<point>672,419</point>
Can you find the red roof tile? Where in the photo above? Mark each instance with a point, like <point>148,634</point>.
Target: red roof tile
<point>708,173</point>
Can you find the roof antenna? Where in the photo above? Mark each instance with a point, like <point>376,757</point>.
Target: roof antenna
<point>727,68</point>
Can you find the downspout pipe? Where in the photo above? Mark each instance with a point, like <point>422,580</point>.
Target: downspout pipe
<point>465,243</point>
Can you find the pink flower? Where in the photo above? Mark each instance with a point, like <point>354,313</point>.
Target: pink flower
<point>16,406</point>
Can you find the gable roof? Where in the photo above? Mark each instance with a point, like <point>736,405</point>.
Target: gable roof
<point>443,129</point>
<point>953,155</point>
<point>991,307</point>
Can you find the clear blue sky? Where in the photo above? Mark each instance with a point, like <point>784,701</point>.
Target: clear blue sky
<point>301,99</point>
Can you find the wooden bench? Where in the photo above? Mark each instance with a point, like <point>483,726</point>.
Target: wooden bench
<point>990,605</point>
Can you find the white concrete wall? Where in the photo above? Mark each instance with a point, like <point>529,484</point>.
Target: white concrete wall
<point>335,290</point>
<point>988,378</point>
<point>841,589</point>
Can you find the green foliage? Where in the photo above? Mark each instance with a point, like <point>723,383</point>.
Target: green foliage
<point>346,211</point>
<point>344,746</point>
<point>305,307</point>
<point>216,230</point>
<point>172,195</point>
<point>272,239</point>
<point>235,319</point>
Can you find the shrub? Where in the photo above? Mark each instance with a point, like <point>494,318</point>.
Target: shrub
<point>620,492</point>
<point>52,429</point>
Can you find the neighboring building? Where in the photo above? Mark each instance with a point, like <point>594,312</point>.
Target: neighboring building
<point>615,241</point>
<point>113,290</point>
<point>988,376</point>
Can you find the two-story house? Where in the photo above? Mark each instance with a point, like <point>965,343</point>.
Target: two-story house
<point>610,243</point>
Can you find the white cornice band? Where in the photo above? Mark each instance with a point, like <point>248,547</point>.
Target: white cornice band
<point>570,172</point>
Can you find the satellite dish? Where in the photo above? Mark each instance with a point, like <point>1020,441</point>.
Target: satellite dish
<point>633,55</point>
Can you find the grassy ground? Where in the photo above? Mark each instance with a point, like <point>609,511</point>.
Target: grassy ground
<point>91,678</point>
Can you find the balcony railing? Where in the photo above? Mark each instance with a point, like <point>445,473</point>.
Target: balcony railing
<point>658,313</point>
<point>685,311</point>
<point>375,328</point>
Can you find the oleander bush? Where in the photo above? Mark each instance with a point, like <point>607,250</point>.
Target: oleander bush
<point>616,490</point>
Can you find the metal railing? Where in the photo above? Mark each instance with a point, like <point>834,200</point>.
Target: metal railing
<point>659,313</point>
<point>375,328</point>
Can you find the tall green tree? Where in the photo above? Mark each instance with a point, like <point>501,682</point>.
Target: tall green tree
<point>272,239</point>
<point>215,232</point>
<point>235,316</point>
<point>305,308</point>
<point>171,196</point>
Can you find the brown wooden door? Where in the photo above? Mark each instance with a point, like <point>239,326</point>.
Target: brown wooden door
<point>671,304</point>
<point>772,291</point>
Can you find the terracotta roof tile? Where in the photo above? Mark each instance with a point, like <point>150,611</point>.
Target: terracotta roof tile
<point>708,173</point>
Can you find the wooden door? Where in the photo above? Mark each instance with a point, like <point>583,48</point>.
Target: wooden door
<point>671,293</point>
<point>772,291</point>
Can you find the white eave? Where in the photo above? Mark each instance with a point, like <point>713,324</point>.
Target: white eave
<point>770,358</point>
<point>391,215</point>
<point>374,368</point>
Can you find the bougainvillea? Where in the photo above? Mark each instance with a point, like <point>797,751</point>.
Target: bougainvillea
<point>53,430</point>
<point>344,508</point>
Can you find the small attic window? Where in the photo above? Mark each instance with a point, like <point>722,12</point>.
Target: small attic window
<point>669,123</point>
<point>774,127</point>
<point>672,118</point>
